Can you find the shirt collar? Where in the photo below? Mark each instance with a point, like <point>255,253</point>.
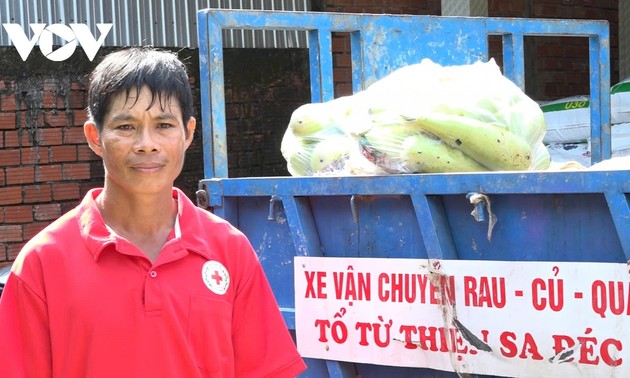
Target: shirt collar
<point>98,236</point>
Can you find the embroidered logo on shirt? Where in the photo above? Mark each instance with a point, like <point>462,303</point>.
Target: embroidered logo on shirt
<point>216,277</point>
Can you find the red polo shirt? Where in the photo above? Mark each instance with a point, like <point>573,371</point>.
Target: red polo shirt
<point>84,302</point>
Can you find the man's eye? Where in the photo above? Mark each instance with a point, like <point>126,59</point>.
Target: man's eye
<point>124,127</point>
<point>165,125</point>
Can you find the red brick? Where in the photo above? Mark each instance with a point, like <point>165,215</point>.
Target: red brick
<point>8,102</point>
<point>78,99</point>
<point>9,157</point>
<point>80,117</point>
<point>26,120</point>
<point>49,211</point>
<point>57,119</point>
<point>14,249</point>
<point>17,138</point>
<point>66,191</point>
<point>7,121</point>
<point>37,193</point>
<point>3,178</point>
<point>10,195</point>
<point>20,175</point>
<point>85,153</point>
<point>77,86</point>
<point>10,233</point>
<point>3,253</point>
<point>63,153</point>
<point>47,173</point>
<point>341,43</point>
<point>89,185</point>
<point>50,85</point>
<point>34,155</point>
<point>33,228</point>
<point>74,135</point>
<point>77,171</point>
<point>49,137</point>
<point>52,99</point>
<point>18,214</point>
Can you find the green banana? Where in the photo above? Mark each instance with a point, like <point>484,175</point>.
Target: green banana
<point>493,146</point>
<point>423,153</point>
<point>299,163</point>
<point>297,153</point>
<point>381,144</point>
<point>329,155</point>
<point>310,119</point>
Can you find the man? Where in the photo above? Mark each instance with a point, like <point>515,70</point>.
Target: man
<point>136,281</point>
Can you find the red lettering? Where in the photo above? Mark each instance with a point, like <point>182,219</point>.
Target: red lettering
<point>383,294</point>
<point>310,284</point>
<point>562,343</point>
<point>396,288</point>
<point>321,285</point>
<point>423,280</point>
<point>509,348</point>
<point>322,324</point>
<point>587,348</point>
<point>310,289</point>
<point>508,345</point>
<point>470,295</point>
<point>428,335</point>
<point>434,295</point>
<point>338,281</point>
<point>408,331</point>
<point>484,292</point>
<point>487,292</point>
<point>447,289</point>
<point>529,345</point>
<point>538,303</point>
<point>554,298</point>
<point>617,303</point>
<point>352,286</point>
<point>498,292</point>
<point>457,341</point>
<point>606,355</point>
<point>363,327</point>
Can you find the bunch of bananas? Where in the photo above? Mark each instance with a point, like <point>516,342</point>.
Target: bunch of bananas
<point>423,118</point>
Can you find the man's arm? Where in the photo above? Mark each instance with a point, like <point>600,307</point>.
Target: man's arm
<point>24,332</point>
<point>263,346</point>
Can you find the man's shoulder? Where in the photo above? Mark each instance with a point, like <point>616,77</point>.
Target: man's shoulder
<point>59,234</point>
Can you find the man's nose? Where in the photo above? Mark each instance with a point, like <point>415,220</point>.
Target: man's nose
<point>145,140</point>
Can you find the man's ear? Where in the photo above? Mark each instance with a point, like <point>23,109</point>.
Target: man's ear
<point>190,129</point>
<point>93,137</point>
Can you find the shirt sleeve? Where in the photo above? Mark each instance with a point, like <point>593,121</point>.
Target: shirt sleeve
<point>263,346</point>
<point>24,333</point>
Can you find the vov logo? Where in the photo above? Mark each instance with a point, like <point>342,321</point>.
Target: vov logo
<point>72,35</point>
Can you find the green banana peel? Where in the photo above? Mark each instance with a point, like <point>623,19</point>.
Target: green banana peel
<point>492,146</point>
<point>423,153</point>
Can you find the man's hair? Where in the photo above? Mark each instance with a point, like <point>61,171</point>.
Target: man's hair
<point>133,68</point>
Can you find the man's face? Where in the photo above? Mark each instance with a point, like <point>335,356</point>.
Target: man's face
<point>142,148</point>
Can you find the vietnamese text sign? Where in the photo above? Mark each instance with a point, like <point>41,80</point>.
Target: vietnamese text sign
<point>481,317</point>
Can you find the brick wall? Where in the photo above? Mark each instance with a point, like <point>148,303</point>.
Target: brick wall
<point>259,101</point>
<point>557,67</point>
<point>46,167</point>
